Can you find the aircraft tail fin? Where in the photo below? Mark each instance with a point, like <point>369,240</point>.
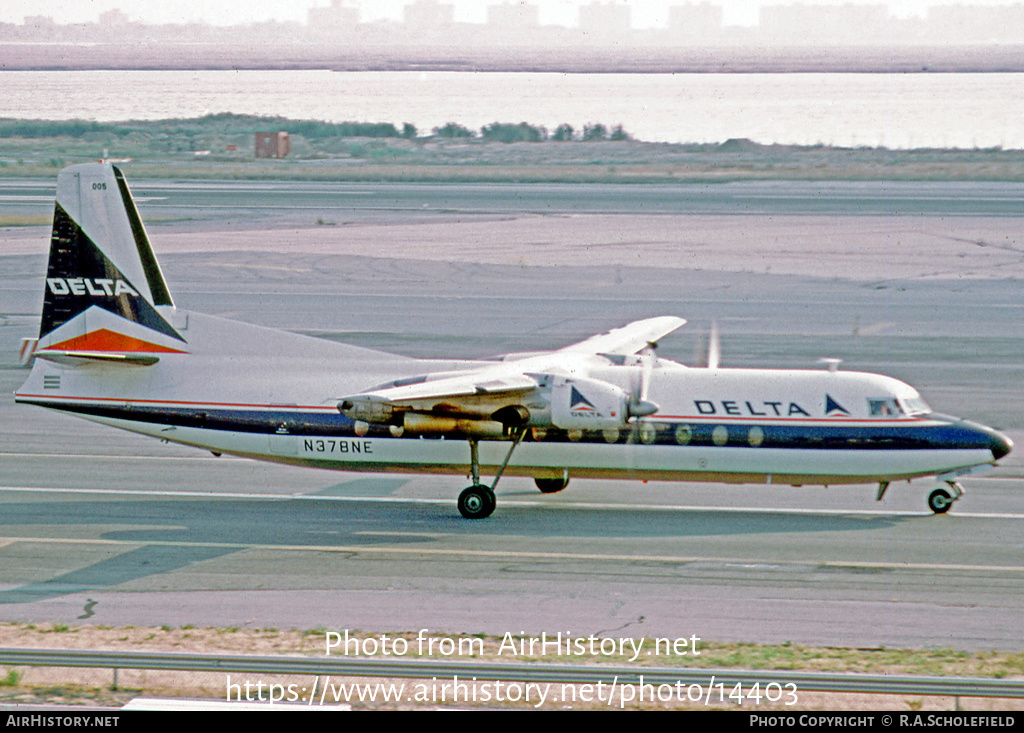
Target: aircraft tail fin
<point>105,297</point>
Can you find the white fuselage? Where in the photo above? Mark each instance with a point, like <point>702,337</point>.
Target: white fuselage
<point>274,396</point>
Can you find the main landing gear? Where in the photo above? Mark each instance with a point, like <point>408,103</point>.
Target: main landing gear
<point>478,501</point>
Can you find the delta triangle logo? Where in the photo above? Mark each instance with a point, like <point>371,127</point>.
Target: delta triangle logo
<point>579,403</point>
<point>833,407</point>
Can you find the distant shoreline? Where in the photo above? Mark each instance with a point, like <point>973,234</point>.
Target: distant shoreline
<point>200,56</point>
<point>222,146</point>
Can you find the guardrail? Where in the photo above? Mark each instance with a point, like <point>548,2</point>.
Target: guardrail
<point>570,674</point>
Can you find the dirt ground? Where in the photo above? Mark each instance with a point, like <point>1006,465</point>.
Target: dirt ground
<point>23,686</point>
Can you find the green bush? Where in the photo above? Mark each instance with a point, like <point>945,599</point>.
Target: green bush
<point>507,133</point>
<point>563,133</point>
<point>453,130</point>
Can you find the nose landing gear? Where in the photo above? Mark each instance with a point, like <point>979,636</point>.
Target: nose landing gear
<point>940,500</point>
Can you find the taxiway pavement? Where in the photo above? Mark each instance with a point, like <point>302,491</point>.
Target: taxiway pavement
<point>109,528</point>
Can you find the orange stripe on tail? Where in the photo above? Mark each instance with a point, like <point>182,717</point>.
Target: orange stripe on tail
<point>106,340</point>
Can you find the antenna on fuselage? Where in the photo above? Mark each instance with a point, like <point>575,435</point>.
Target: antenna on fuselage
<point>714,347</point>
<point>712,357</point>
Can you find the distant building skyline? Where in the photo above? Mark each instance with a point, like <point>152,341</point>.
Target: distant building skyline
<point>644,14</point>
<point>510,24</point>
<point>512,36</point>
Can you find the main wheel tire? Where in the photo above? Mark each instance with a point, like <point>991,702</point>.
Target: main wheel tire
<point>551,485</point>
<point>477,502</point>
<point>939,501</point>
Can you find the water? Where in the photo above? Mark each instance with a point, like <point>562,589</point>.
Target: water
<point>888,110</point>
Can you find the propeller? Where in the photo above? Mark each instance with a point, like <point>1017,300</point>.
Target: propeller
<point>638,406</point>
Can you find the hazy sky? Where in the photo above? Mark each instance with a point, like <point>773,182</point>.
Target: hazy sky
<point>645,13</point>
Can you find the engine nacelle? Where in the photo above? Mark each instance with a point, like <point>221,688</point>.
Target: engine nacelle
<point>587,404</point>
<point>433,425</point>
<point>368,409</point>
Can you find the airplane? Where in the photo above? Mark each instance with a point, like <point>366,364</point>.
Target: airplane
<point>114,348</point>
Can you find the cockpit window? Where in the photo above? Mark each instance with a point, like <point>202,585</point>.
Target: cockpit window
<point>915,406</point>
<point>889,407</point>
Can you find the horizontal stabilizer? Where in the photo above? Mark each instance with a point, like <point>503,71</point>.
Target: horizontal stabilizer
<point>75,358</point>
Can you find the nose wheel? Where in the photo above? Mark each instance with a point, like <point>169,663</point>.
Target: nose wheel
<point>940,500</point>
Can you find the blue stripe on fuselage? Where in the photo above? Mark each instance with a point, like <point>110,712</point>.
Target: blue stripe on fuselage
<point>911,435</point>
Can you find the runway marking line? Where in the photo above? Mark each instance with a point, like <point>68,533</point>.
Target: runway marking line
<point>498,554</point>
<point>507,502</point>
<point>123,457</point>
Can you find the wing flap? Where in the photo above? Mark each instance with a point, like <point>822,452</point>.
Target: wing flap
<point>474,396</point>
<point>478,383</point>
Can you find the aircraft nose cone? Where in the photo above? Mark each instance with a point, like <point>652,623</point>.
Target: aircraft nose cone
<point>1000,445</point>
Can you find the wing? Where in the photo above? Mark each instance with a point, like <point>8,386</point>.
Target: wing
<point>423,394</point>
<point>508,392</point>
<point>628,339</point>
